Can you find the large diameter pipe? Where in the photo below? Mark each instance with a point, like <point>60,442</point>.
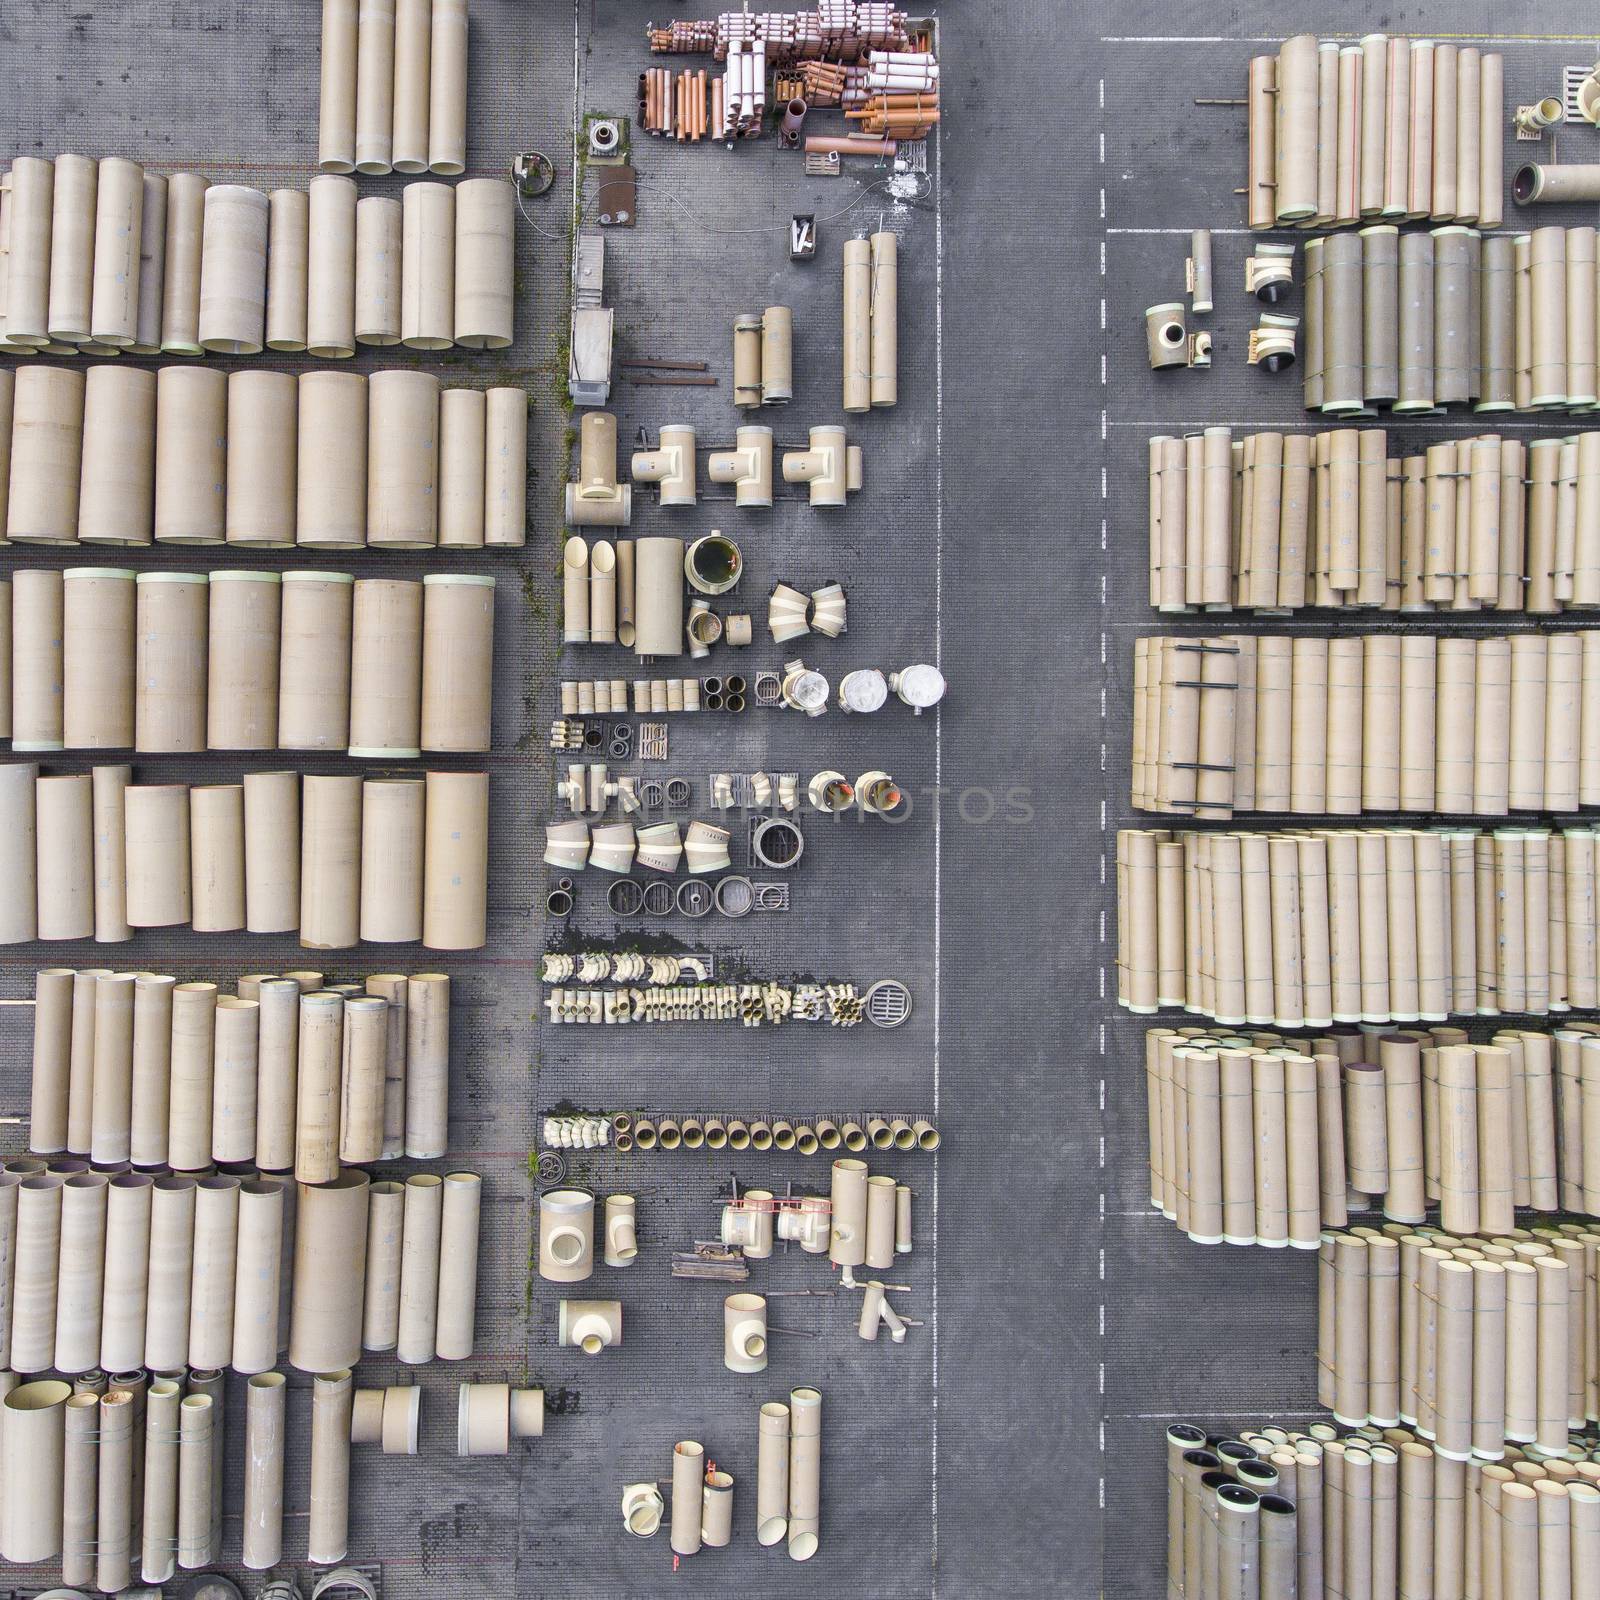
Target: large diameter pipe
<point>805,1472</point>
<point>265,1397</point>
<point>485,247</point>
<point>688,1471</point>
<point>35,1277</point>
<point>166,1330</point>
<point>330,1250</point>
<point>1535,184</point>
<point>456,861</point>
<point>336,126</point>
<point>32,1470</point>
<point>419,1269</point>
<point>458,1266</point>
<point>447,89</point>
<point>427,1065</point>
<point>80,1287</point>
<point>772,1473</point>
<point>258,1272</point>
<point>80,1489</point>
<point>128,1210</point>
<point>233,271</point>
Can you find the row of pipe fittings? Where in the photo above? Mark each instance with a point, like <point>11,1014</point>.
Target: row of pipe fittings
<point>803,688</point>
<point>854,1134</point>
<point>567,1228</point>
<point>830,467</point>
<point>749,1004</point>
<point>618,846</point>
<point>791,613</point>
<point>622,966</point>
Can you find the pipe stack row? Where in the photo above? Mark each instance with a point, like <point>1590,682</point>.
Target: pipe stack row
<point>338,859</point>
<point>103,257</point>
<point>1366,722</point>
<point>1474,1343</point>
<point>160,1270</point>
<point>683,106</point>
<point>102,658</point>
<point>1327,1514</point>
<point>284,1074</point>
<point>1253,1144</point>
<point>1384,128</point>
<point>1382,925</point>
<point>1414,321</point>
<point>870,336</point>
<point>196,456</point>
<point>832,30</point>
<point>1277,522</point>
<point>393,86</point>
<point>715,1132</point>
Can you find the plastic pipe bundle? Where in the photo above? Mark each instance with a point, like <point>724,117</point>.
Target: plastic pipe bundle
<point>1412,321</point>
<point>227,1068</point>
<point>211,858</point>
<point>224,268</point>
<point>1350,925</point>
<point>1366,722</point>
<point>1474,1344</point>
<point>120,456</point>
<point>1383,128</point>
<point>1279,522</point>
<point>1254,1138</point>
<point>393,86</point>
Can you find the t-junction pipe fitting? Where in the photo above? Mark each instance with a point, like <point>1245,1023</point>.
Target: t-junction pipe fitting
<point>671,465</point>
<point>596,499</point>
<point>831,467</point>
<point>748,466</point>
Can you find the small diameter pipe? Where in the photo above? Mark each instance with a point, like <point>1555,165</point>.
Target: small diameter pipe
<point>332,1396</point>
<point>772,1473</point>
<point>805,1472</point>
<point>688,1467</point>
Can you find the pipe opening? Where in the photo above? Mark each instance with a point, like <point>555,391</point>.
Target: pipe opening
<point>1525,185</point>
<point>593,1344</point>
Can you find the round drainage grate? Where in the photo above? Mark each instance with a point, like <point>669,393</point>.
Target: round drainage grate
<point>694,898</point>
<point>888,1003</point>
<point>735,896</point>
<point>778,843</point>
<point>658,898</point>
<point>625,897</point>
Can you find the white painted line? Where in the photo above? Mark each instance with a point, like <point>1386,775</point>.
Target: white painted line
<point>938,790</point>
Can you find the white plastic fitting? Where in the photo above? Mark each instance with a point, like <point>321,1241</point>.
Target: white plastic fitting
<point>786,614</point>
<point>705,848</point>
<point>748,466</point>
<point>566,844</point>
<point>490,1415</point>
<point>804,689</point>
<point>864,690</point>
<point>566,1235</point>
<point>670,466</point>
<point>828,610</point>
<point>748,1225</point>
<point>612,845</point>
<point>642,1509</point>
<point>622,1241</point>
<point>589,1325</point>
<point>597,499</point>
<point>806,1224</point>
<point>831,467</point>
<point>919,686</point>
<point>744,1333</point>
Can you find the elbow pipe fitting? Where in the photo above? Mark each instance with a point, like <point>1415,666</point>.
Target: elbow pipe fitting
<point>612,846</point>
<point>744,1333</point>
<point>1272,342</point>
<point>786,614</point>
<point>705,848</point>
<point>566,1235</point>
<point>659,847</point>
<point>575,591</point>
<point>1269,273</point>
<point>878,795</point>
<point>748,466</point>
<point>642,1509</point>
<point>622,1240</point>
<point>597,499</point>
<point>566,844</point>
<point>826,467</point>
<point>589,1325</point>
<point>671,466</point>
<point>828,610</point>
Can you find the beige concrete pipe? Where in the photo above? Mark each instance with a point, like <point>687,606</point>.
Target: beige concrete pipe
<point>413,39</point>
<point>262,1538</point>
<point>377,271</point>
<point>402,460</point>
<point>419,1269</point>
<point>110,1134</point>
<point>428,266</point>
<point>211,1282</point>
<point>80,1282</point>
<point>171,634</point>
<point>258,1275</point>
<point>80,1488</point>
<point>658,596</point>
<point>1536,184</point>
<point>28,278</point>
<point>315,628</point>
<point>159,1474</point>
<point>328,1535</point>
<point>288,265</point>
<point>447,89</point>
<point>458,1265</point>
<point>847,1243</point>
<point>457,661</point>
<point>805,1472</point>
<point>38,666</point>
<point>116,482</point>
<point>72,248</point>
<point>32,1470</point>
<point>166,1330</point>
<point>46,452</point>
<point>391,864</point>
<point>272,857</point>
<point>380,1318</point>
<point>191,455</point>
<point>506,469</point>
<point>262,444</point>
<point>331,268</point>
<point>52,1054</point>
<point>329,1262</point>
<point>330,861</point>
<point>320,1054</point>
<point>233,271</point>
<point>490,1415</point>
<point>216,845</point>
<point>336,125</point>
<point>114,1518</point>
<point>688,1472</point>
<point>716,1517</point>
<point>455,861</point>
<point>427,1065</point>
<point>331,467</point>
<point>180,285</point>
<point>856,340</point>
<point>884,337</point>
<point>463,418</point>
<point>65,836</point>
<point>374,87</point>
<point>485,246</point>
<point>772,1473</point>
